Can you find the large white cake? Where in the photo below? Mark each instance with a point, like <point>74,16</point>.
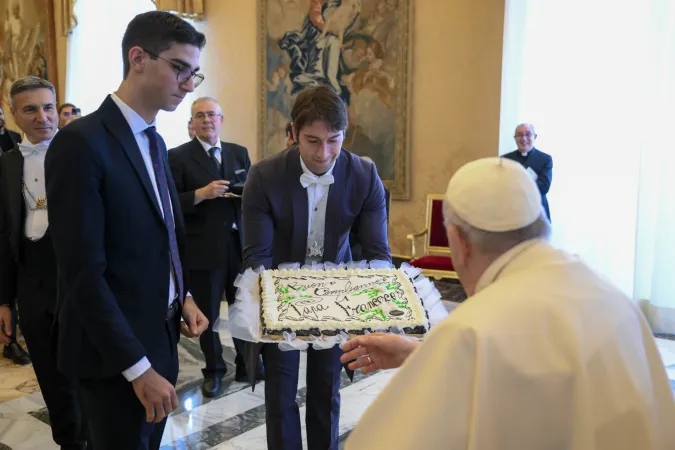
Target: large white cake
<point>316,303</point>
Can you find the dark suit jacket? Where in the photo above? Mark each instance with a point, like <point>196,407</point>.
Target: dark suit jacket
<point>276,216</point>
<point>111,244</point>
<point>11,222</point>
<point>208,225</point>
<point>357,248</point>
<point>542,164</point>
<point>275,208</point>
<point>14,137</point>
<point>12,235</point>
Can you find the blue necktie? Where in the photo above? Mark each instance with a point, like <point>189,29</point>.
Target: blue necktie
<point>163,188</point>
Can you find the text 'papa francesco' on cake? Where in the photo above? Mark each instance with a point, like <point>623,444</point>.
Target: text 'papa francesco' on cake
<point>313,303</point>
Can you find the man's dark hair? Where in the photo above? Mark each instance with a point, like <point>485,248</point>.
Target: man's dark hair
<point>155,32</point>
<point>319,103</point>
<point>65,105</point>
<point>289,129</point>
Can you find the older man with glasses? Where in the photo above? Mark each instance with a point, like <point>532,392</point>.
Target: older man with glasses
<point>209,176</point>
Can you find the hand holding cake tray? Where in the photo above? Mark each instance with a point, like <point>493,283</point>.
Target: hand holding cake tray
<point>326,304</point>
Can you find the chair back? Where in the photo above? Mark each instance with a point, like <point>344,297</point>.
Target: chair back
<point>436,239</point>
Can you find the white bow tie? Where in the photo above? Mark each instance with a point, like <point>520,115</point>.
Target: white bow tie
<point>324,180</point>
<point>30,149</point>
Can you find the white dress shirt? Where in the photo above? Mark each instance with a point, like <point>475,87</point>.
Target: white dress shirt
<point>138,126</point>
<point>317,197</point>
<point>34,178</point>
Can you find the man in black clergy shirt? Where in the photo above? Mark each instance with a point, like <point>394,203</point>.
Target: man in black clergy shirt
<point>206,170</point>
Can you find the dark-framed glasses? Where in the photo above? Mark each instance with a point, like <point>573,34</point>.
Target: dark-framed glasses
<point>183,73</point>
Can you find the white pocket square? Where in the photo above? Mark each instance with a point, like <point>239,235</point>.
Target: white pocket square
<point>237,172</point>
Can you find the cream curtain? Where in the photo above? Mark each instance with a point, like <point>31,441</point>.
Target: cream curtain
<point>189,9</point>
<point>68,18</point>
<point>603,104</point>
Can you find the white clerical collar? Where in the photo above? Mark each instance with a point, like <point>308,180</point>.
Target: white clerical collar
<point>135,121</point>
<point>499,264</point>
<point>208,146</point>
<point>27,148</point>
<point>308,172</point>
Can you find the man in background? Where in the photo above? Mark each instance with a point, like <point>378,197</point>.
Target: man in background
<point>67,113</point>
<point>191,129</point>
<point>204,169</point>
<point>537,163</point>
<point>8,138</point>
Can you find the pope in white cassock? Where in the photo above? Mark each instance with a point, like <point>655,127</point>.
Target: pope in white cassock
<point>545,354</point>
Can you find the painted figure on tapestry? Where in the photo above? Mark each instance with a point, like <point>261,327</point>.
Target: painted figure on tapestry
<point>349,45</point>
<point>22,44</point>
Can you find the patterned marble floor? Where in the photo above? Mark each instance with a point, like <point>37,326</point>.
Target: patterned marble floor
<point>235,421</point>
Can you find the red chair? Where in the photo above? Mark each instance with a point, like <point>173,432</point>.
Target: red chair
<point>435,260</point>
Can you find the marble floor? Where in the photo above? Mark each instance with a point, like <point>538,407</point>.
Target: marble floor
<point>234,421</point>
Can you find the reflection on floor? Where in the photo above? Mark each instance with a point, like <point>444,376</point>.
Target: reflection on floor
<point>236,420</point>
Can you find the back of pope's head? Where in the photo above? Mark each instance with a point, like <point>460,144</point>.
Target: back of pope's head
<point>491,205</point>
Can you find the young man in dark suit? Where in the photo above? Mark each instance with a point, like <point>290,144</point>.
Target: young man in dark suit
<point>299,205</point>
<point>28,271</point>
<point>8,138</point>
<point>118,236</point>
<point>538,164</point>
<point>206,170</point>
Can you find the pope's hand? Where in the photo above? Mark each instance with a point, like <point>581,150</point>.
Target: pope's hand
<point>377,351</point>
<point>195,321</point>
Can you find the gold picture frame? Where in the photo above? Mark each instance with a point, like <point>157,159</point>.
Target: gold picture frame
<point>367,50</point>
<point>27,45</point>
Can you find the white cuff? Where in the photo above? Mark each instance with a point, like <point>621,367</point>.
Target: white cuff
<point>532,173</point>
<point>137,369</point>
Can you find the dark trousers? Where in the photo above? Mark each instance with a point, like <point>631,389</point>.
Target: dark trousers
<point>15,320</point>
<point>323,398</point>
<point>207,288</point>
<point>36,299</point>
<point>117,419</point>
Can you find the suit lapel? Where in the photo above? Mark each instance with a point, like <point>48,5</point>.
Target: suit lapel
<point>200,156</point>
<point>227,158</point>
<point>297,195</point>
<point>333,209</point>
<point>14,174</point>
<point>118,126</point>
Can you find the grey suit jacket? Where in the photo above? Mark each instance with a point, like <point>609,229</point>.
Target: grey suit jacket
<point>275,211</point>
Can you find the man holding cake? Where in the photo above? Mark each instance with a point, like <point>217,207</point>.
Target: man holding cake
<point>545,353</point>
<point>299,206</point>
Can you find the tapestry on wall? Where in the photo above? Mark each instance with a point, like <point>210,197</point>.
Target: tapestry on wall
<point>361,49</point>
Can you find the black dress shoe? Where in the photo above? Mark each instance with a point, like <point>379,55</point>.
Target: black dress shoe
<point>212,387</point>
<point>16,353</point>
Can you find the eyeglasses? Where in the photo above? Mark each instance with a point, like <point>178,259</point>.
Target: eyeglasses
<point>210,115</point>
<point>522,135</point>
<point>183,73</point>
